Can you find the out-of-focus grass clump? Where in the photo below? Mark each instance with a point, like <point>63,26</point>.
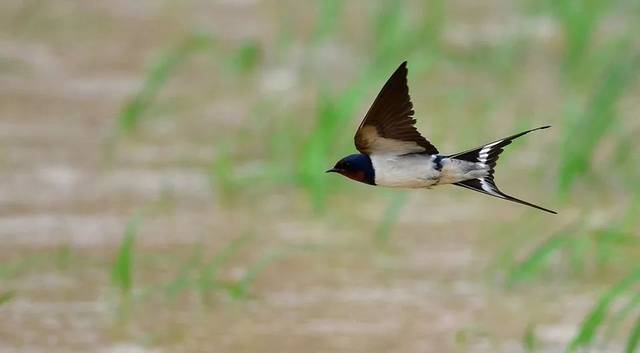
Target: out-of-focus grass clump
<point>204,276</point>
<point>163,67</point>
<point>597,77</point>
<point>605,318</point>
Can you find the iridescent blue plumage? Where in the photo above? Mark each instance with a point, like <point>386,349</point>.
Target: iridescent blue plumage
<point>357,167</point>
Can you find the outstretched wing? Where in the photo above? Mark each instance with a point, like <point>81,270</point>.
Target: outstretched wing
<point>389,126</point>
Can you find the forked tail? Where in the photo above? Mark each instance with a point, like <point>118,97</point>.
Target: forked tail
<point>488,155</point>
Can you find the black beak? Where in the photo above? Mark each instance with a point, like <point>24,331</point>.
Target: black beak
<point>333,170</point>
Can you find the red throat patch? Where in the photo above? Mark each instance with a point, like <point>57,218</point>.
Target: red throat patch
<point>355,175</point>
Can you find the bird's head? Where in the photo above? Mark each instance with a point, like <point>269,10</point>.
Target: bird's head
<point>357,167</point>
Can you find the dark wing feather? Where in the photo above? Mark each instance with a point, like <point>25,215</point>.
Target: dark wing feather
<point>389,125</point>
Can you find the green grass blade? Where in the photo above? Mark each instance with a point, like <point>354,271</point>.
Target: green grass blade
<point>319,152</point>
<point>588,329</point>
<point>329,12</point>
<point>584,136</point>
<point>391,37</point>
<point>162,69</point>
<point>122,269</point>
<point>534,262</point>
<point>634,338</point>
<point>619,317</point>
<point>221,173</point>
<point>241,289</point>
<point>184,280</point>
<point>529,340</point>
<point>208,272</point>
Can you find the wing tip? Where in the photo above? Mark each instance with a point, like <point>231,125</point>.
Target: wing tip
<point>538,128</point>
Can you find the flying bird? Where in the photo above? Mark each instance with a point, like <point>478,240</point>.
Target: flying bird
<point>394,154</point>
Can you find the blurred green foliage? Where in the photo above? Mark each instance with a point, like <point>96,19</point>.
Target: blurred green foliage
<point>596,74</point>
<point>586,132</point>
<point>164,66</point>
<point>596,318</point>
<point>6,297</point>
<point>203,276</point>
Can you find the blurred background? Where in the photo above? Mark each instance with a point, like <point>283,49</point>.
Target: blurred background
<point>162,184</point>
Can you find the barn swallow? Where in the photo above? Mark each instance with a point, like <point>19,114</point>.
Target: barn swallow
<point>394,154</point>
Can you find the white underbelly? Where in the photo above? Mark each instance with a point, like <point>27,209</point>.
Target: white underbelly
<point>410,171</point>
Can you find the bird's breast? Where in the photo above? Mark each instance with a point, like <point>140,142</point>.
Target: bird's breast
<point>406,171</point>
